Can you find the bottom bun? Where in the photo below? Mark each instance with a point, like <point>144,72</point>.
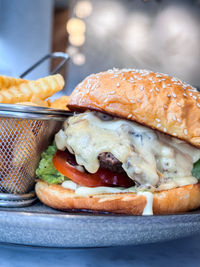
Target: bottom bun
<point>171,201</point>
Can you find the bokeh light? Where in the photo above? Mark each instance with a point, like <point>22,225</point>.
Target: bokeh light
<point>78,59</point>
<point>71,50</point>
<point>137,34</point>
<point>177,37</point>
<point>77,40</point>
<point>75,26</point>
<point>107,18</point>
<point>83,9</point>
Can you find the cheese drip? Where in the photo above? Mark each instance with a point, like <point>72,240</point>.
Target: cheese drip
<point>148,157</point>
<point>148,209</point>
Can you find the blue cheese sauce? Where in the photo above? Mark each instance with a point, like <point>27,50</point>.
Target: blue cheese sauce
<point>148,156</point>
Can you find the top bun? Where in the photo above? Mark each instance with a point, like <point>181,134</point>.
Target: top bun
<point>154,99</point>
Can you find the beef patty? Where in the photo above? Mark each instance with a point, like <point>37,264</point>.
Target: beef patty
<point>109,162</point>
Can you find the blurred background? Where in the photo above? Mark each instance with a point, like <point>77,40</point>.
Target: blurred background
<point>161,35</point>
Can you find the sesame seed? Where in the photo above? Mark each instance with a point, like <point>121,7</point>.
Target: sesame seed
<point>192,90</point>
<point>169,95</point>
<point>168,84</point>
<point>179,120</point>
<point>190,94</point>
<point>112,92</point>
<point>158,120</point>
<point>141,87</point>
<point>118,85</point>
<point>150,90</point>
<point>157,89</point>
<point>129,116</point>
<point>132,101</point>
<point>185,131</point>
<point>165,106</point>
<point>164,129</point>
<point>178,104</point>
<point>173,94</point>
<point>175,134</point>
<point>124,79</point>
<point>174,117</point>
<point>174,79</point>
<point>194,97</point>
<point>163,86</point>
<point>158,125</point>
<point>185,94</point>
<point>139,101</point>
<point>198,105</point>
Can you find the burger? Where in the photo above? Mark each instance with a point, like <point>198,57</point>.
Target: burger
<point>131,147</point>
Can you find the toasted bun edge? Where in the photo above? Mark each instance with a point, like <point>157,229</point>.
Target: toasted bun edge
<point>176,200</point>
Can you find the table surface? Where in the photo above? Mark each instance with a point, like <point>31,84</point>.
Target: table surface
<point>182,252</point>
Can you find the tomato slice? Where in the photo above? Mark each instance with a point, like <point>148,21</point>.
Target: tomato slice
<point>64,162</point>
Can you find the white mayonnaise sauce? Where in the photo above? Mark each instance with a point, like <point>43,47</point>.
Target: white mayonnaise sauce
<point>147,156</point>
<point>87,191</point>
<point>148,209</point>
<point>69,185</point>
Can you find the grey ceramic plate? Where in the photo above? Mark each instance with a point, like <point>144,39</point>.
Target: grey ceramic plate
<point>41,226</point>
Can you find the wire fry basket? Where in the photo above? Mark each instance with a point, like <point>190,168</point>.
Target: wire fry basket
<point>25,132</point>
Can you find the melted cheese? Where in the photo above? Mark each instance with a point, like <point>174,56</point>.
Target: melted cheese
<point>148,157</point>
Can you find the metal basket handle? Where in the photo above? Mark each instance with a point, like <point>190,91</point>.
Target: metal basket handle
<point>63,55</point>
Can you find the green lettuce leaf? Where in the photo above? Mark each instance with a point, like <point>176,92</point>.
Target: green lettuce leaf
<point>46,171</point>
<point>196,169</point>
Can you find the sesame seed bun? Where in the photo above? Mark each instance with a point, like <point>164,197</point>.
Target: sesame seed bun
<point>171,201</point>
<point>154,99</point>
